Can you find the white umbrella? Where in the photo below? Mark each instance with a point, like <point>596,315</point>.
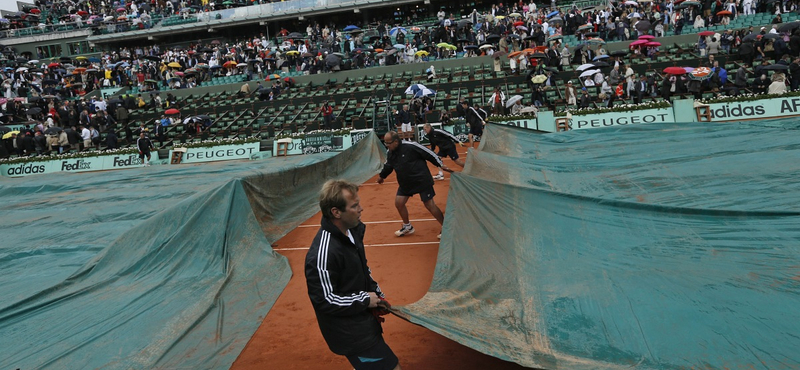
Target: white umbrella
<point>424,92</point>
<point>529,110</point>
<point>22,69</point>
<point>513,100</point>
<point>584,67</point>
<point>629,2</point>
<point>634,15</point>
<point>588,73</point>
<point>484,47</point>
<point>411,90</point>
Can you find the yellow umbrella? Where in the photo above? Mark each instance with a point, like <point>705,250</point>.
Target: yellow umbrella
<point>539,79</point>
<point>292,52</point>
<point>81,58</point>
<point>499,17</point>
<point>421,53</point>
<point>174,65</point>
<point>8,134</point>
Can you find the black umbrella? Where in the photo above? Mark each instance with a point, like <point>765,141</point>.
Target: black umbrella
<point>591,34</point>
<point>529,38</point>
<point>493,37</point>
<point>643,26</point>
<point>772,36</point>
<point>152,57</point>
<point>65,59</point>
<point>4,129</point>
<point>53,130</point>
<point>601,64</point>
<point>34,99</point>
<point>34,111</point>
<point>333,60</point>
<point>471,47</point>
<point>775,67</point>
<point>789,27</point>
<point>21,60</point>
<point>538,55</point>
<point>295,35</point>
<point>619,53</point>
<point>515,36</point>
<point>750,37</point>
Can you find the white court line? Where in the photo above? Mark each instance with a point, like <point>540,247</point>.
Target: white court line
<point>381,222</point>
<point>365,245</point>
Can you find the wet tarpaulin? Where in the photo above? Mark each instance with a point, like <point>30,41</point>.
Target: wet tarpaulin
<point>668,246</point>
<point>158,267</point>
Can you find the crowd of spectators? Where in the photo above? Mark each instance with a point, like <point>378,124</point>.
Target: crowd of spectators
<point>55,87</point>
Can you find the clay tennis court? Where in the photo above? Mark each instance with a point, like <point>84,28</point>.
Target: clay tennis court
<point>289,337</point>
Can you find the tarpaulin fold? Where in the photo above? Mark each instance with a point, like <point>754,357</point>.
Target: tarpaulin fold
<point>667,246</point>
<point>160,267</point>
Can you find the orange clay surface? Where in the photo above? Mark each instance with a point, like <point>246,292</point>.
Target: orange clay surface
<point>289,337</point>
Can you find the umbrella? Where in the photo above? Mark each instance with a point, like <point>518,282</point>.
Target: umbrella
<point>653,44</point>
<point>584,67</point>
<point>646,37</point>
<point>724,12</point>
<point>701,73</point>
<point>601,64</point>
<point>538,55</point>
<point>399,46</point>
<point>596,41</point>
<point>585,27</point>
<point>421,53</point>
<point>350,28</point>
<point>493,37</point>
<point>9,134</point>
<point>34,111</point>
<point>22,69</point>
<point>53,130</point>
<point>151,81</point>
<point>273,77</point>
<point>295,35</point>
<point>675,70</point>
<point>599,57</point>
<point>229,64</point>
<point>4,129</point>
<point>751,37</point>
<point>552,14</point>
<point>642,26</point>
<point>523,28</point>
<point>555,37</point>
<point>424,92</point>
<point>395,30</point>
<point>486,46</point>
<point>631,3</point>
<point>174,65</point>
<point>471,47</point>
<point>515,15</point>
<point>292,52</point>
<point>153,58</point>
<point>639,42</point>
<point>772,36</point>
<point>789,27</point>
<point>539,79</point>
<point>201,65</point>
<point>588,73</point>
<point>513,100</point>
<point>513,55</point>
<point>706,33</point>
<point>34,61</point>
<point>53,65</point>
<point>172,111</point>
<point>415,29</point>
<point>499,17</point>
<point>775,67</point>
<point>498,54</point>
<point>555,20</point>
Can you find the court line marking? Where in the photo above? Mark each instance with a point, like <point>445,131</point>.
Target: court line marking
<point>379,222</point>
<point>365,245</point>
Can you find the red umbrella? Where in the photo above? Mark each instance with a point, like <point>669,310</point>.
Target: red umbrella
<point>53,65</point>
<point>82,13</point>
<point>724,12</point>
<point>674,70</point>
<point>653,43</point>
<point>172,111</point>
<point>706,33</point>
<point>35,11</point>
<point>120,10</point>
<point>519,23</point>
<point>646,37</point>
<point>638,42</point>
<point>229,64</point>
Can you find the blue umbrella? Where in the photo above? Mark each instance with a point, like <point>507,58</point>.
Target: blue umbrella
<point>3,20</point>
<point>395,30</point>
<point>599,57</point>
<point>399,46</point>
<point>413,89</point>
<point>94,60</point>
<point>424,92</point>
<point>553,13</point>
<point>351,28</point>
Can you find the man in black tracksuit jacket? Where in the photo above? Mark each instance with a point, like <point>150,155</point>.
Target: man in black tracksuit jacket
<point>340,283</point>
<point>445,141</point>
<point>408,160</point>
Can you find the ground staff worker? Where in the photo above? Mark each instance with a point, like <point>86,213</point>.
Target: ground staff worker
<point>347,301</point>
<point>144,144</point>
<point>445,141</point>
<point>408,160</point>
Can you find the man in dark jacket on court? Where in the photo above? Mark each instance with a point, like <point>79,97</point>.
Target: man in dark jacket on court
<point>346,299</point>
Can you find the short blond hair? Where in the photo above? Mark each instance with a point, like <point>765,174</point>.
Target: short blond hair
<point>332,196</point>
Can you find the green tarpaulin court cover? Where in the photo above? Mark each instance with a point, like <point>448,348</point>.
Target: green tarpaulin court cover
<point>668,246</point>
<point>157,267</point>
